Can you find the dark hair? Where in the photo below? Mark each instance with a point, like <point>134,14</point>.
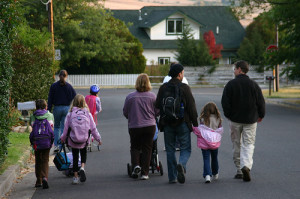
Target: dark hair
<point>243,65</point>
<point>93,93</point>
<point>207,110</point>
<point>62,76</point>
<point>40,104</point>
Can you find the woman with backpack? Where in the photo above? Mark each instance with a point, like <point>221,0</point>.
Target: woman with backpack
<point>141,114</point>
<point>79,124</point>
<point>41,140</point>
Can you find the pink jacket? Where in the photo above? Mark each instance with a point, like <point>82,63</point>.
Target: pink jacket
<point>208,138</point>
<point>93,129</point>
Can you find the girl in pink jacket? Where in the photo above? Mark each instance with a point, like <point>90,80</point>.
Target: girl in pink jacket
<point>209,134</point>
<point>79,124</point>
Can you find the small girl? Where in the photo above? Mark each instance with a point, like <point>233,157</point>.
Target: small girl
<point>78,137</point>
<point>42,123</point>
<point>209,134</point>
<point>93,101</point>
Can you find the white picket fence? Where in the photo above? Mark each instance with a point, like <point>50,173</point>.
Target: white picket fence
<point>102,80</point>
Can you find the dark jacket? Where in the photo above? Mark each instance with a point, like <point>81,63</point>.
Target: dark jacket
<point>242,100</point>
<point>190,111</point>
<point>60,95</point>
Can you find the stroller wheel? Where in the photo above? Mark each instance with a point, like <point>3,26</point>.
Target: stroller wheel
<point>129,170</point>
<point>161,170</point>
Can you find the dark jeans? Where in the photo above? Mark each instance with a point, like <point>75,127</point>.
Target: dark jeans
<point>75,153</point>
<point>41,164</point>
<point>59,113</point>
<point>141,140</point>
<point>214,168</point>
<point>183,134</point>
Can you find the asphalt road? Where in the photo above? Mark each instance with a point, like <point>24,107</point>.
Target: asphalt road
<point>275,173</point>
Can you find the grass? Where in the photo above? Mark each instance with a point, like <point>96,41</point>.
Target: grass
<point>283,93</point>
<point>19,143</point>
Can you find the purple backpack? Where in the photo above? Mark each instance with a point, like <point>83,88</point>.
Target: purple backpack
<point>41,136</point>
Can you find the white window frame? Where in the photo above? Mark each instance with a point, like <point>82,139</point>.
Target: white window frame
<point>175,22</point>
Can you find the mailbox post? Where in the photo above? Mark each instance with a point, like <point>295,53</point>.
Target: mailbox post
<point>270,78</point>
<point>24,107</point>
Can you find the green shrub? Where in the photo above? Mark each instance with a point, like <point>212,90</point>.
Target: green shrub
<point>33,74</point>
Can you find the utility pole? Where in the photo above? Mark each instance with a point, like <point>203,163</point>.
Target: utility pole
<point>50,25</point>
<point>277,66</point>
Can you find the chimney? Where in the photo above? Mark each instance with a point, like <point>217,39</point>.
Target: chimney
<point>140,15</point>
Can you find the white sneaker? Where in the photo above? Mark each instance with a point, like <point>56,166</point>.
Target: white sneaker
<point>144,177</point>
<point>216,177</point>
<point>75,180</point>
<point>207,179</point>
<point>136,171</point>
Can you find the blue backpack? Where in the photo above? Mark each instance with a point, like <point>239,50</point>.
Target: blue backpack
<point>41,136</point>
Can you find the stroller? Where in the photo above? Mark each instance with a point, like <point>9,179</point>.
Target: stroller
<point>155,164</point>
<point>91,143</point>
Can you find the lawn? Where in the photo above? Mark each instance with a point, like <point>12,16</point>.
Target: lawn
<point>18,144</point>
<point>283,93</point>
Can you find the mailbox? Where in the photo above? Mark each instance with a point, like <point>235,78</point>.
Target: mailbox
<point>270,77</point>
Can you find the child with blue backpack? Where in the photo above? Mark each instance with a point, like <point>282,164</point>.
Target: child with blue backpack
<point>41,140</point>
<point>79,125</point>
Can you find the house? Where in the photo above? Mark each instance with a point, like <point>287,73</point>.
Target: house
<point>158,27</point>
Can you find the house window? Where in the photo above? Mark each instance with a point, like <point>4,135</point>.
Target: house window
<point>174,26</point>
<point>163,60</point>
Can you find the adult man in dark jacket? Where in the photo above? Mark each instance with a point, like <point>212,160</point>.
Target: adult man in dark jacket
<point>181,127</point>
<point>244,105</point>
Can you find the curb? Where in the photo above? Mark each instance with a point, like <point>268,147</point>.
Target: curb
<point>283,103</point>
<point>8,178</point>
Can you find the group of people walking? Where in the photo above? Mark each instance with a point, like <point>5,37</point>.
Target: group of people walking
<point>74,120</point>
<point>243,105</point>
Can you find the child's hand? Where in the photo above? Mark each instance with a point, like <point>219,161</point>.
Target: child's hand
<point>100,143</point>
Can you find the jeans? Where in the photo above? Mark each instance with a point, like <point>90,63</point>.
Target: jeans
<point>59,113</point>
<point>243,140</point>
<point>214,168</point>
<point>183,135</point>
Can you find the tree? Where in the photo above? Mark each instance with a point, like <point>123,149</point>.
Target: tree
<point>191,52</point>
<point>90,39</point>
<point>285,14</point>
<point>214,49</point>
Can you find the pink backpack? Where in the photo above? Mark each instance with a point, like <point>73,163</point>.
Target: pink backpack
<point>79,126</point>
<point>91,102</point>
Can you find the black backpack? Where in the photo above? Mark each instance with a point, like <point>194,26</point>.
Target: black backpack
<point>172,108</point>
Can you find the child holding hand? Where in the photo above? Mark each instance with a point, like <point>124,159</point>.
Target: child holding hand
<point>209,134</point>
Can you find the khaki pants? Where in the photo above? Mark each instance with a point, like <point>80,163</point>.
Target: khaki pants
<point>243,140</point>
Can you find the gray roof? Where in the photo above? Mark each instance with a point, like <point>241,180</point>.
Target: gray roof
<point>231,32</point>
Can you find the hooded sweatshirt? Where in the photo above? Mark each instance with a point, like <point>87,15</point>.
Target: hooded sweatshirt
<point>41,114</point>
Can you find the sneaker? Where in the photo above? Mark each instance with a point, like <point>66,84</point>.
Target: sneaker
<point>246,174</point>
<point>177,149</point>
<point>144,177</point>
<point>180,173</point>
<point>136,171</point>
<point>56,149</point>
<point>172,181</point>
<point>37,185</point>
<point>207,179</point>
<point>238,176</point>
<point>75,180</point>
<point>45,183</point>
<point>82,175</point>
<point>216,177</point>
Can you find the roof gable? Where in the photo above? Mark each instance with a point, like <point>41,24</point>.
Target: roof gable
<point>231,32</point>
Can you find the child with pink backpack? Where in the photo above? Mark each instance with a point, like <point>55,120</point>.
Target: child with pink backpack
<point>209,134</point>
<point>79,125</point>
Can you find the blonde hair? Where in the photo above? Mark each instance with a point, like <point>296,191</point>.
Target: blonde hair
<point>79,102</point>
<point>209,109</point>
<point>142,83</point>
